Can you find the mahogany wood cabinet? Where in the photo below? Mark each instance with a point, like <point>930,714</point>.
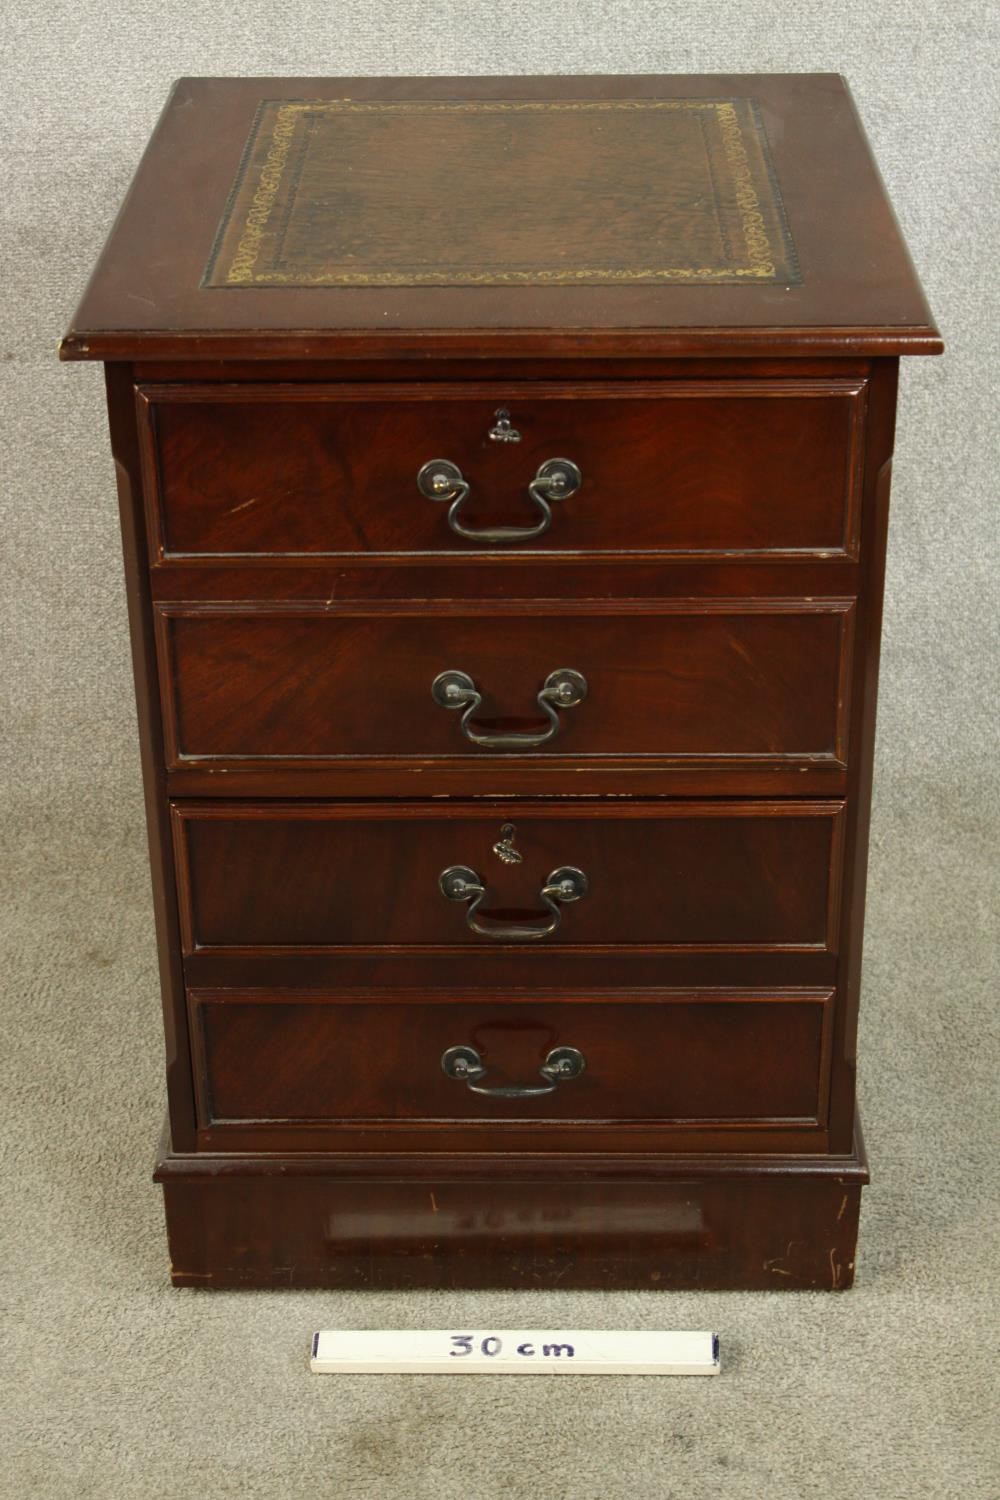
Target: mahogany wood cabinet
<point>504,474</point>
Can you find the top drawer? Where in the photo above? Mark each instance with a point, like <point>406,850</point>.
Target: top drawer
<point>699,468</point>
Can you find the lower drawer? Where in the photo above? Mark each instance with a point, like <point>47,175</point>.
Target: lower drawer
<point>300,1057</point>
<point>411,878</point>
<point>723,682</point>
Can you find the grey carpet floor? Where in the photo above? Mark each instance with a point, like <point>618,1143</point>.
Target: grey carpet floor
<point>112,1384</point>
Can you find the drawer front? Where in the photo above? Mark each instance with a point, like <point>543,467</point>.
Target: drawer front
<point>307,1057</point>
<point>710,680</point>
<point>299,876</point>
<point>701,468</point>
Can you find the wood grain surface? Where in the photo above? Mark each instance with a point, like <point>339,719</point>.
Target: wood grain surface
<point>738,682</point>
<point>715,468</point>
<point>271,876</point>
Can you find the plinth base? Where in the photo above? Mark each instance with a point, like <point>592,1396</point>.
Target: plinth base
<point>476,1221</point>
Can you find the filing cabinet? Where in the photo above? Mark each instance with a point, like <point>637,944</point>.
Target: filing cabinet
<point>504,471</point>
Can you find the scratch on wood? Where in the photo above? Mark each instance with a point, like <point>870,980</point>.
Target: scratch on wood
<point>243,504</point>
<point>843,1205</point>
<point>434,1206</point>
<point>333,589</point>
<point>834,1269</point>
<point>775,1264</point>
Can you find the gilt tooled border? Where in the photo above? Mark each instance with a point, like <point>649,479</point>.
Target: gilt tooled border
<point>759,251</point>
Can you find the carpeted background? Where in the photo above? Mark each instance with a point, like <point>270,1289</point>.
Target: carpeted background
<point>115,1386</point>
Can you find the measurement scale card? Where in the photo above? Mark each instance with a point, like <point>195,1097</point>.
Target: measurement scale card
<point>521,1351</point>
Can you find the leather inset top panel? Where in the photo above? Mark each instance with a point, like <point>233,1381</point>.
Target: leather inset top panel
<point>491,192</point>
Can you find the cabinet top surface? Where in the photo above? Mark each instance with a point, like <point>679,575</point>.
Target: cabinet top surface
<point>284,218</point>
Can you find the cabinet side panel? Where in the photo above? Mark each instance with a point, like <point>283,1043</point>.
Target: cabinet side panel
<point>124,445</point>
<point>867,641</point>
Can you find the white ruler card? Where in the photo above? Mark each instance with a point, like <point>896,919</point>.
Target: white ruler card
<point>512,1351</point>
